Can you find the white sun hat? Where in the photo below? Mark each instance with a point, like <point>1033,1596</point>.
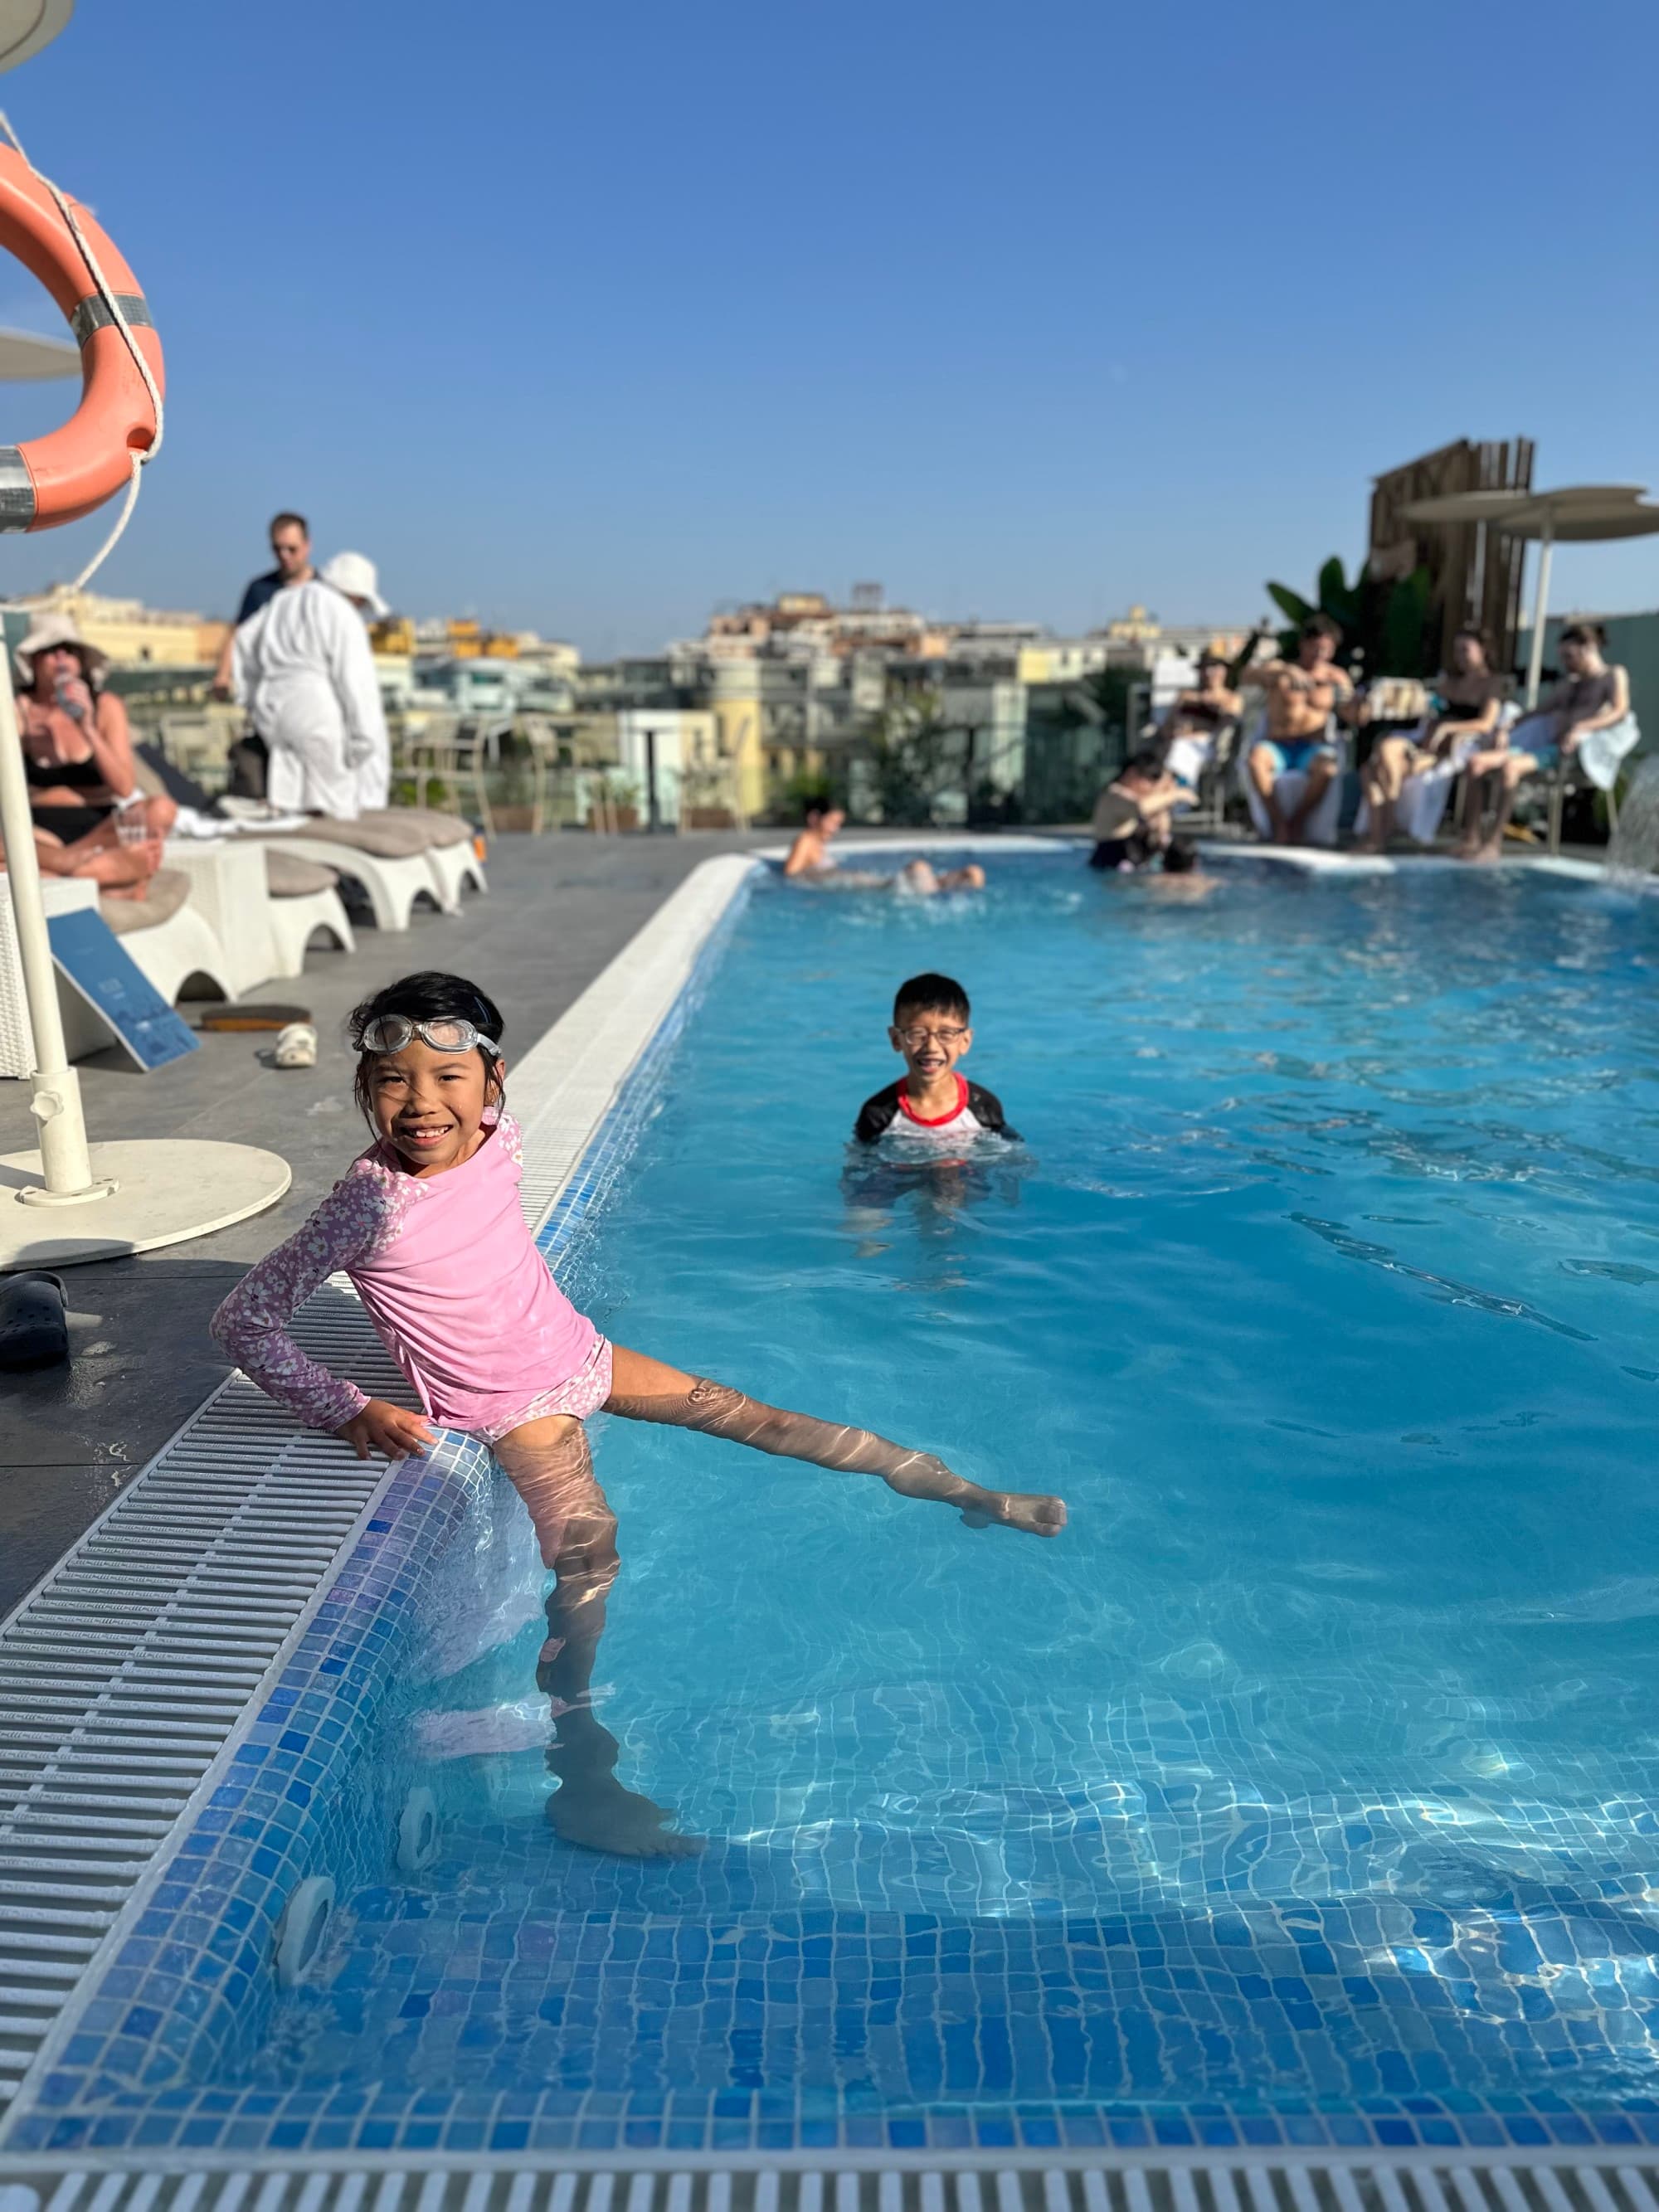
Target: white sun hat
<point>355,574</point>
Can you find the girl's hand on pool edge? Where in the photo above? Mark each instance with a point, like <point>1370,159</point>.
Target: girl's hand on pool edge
<point>387,1429</point>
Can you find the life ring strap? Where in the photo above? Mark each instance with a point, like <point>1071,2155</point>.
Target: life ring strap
<point>93,313</point>
<point>17,501</point>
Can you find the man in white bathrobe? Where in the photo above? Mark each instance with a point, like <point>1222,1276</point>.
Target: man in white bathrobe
<point>303,668</point>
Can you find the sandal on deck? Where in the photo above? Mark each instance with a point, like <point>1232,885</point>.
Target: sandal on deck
<point>34,1332</point>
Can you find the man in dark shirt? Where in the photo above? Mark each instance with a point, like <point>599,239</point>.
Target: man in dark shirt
<point>290,548</point>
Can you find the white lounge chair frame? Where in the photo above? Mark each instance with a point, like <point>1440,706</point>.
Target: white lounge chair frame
<point>1325,821</point>
<point>295,920</point>
<point>392,886</point>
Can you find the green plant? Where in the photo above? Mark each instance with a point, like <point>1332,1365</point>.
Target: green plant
<point>806,787</point>
<point>904,743</point>
<point>1384,623</point>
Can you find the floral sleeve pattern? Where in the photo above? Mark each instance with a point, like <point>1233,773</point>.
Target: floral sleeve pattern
<point>358,1217</point>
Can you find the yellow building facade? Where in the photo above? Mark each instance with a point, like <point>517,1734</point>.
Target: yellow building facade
<point>132,634</point>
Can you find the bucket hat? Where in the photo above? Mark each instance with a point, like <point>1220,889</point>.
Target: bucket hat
<point>355,575</point>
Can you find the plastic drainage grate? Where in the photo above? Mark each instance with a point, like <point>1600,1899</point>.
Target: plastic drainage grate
<point>1194,2187</point>
<point>122,1676</point>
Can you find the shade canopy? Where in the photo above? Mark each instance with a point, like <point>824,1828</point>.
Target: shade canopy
<point>26,359</point>
<point>26,26</point>
<point>1584,514</point>
<point>1580,514</point>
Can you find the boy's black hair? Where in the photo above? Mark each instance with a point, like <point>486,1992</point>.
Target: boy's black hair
<point>1583,633</point>
<point>1320,626</point>
<point>1180,859</point>
<point>931,994</point>
<point>1148,762</point>
<point>429,997</point>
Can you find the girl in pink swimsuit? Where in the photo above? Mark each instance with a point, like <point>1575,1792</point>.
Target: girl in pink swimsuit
<point>427,1224</point>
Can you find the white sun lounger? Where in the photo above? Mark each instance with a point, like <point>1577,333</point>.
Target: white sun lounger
<point>305,898</point>
<point>169,938</point>
<point>1323,822</point>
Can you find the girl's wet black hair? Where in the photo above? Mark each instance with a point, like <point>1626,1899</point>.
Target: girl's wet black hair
<point>431,996</point>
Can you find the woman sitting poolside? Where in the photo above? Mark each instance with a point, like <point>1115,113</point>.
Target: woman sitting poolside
<point>1593,696</point>
<point>77,756</point>
<point>1466,713</point>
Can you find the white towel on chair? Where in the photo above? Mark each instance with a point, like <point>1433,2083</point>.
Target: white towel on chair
<point>1600,751</point>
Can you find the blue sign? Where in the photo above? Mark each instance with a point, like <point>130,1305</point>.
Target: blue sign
<point>88,952</point>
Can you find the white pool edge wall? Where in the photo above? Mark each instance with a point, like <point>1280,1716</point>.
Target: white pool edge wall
<point>564,1089</point>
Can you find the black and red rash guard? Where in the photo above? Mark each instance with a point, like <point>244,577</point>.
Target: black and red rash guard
<point>976,1112</point>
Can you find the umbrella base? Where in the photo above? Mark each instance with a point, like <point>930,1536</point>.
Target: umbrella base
<point>153,1193</point>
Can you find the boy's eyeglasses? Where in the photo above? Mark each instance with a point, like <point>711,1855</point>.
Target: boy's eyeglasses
<point>391,1032</point>
<point>916,1038</point>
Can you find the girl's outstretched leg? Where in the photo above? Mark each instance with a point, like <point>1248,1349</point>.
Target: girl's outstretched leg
<point>643,1389</point>
<point>549,1465</point>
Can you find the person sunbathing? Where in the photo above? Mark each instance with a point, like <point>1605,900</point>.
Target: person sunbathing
<point>90,819</point>
<point>1593,695</point>
<point>1303,695</point>
<point>1191,726</point>
<point>1466,713</point>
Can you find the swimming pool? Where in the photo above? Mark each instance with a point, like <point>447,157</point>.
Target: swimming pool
<point>1304,1791</point>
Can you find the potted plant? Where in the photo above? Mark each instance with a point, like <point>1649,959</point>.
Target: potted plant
<point>613,802</point>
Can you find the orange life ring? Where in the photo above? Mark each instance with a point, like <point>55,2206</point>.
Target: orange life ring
<point>69,472</point>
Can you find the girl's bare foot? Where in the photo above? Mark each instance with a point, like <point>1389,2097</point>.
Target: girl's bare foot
<point>920,1474</point>
<point>594,1812</point>
<point>1017,1508</point>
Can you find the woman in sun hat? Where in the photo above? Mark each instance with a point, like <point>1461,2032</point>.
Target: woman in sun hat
<point>303,668</point>
<point>90,819</point>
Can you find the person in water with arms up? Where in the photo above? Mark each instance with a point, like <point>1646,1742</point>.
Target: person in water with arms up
<point>427,1224</point>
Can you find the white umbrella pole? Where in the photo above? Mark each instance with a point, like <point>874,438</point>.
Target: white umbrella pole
<point>1539,610</point>
<point>55,1089</point>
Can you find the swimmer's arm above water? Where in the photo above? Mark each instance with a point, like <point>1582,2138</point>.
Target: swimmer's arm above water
<point>252,1323</point>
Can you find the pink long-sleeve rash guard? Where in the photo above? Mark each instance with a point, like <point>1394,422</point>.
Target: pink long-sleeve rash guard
<point>450,1276</point>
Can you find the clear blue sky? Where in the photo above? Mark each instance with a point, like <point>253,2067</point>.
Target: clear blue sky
<point>591,317</point>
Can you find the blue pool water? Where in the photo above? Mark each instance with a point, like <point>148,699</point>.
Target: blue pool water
<point>1308,1786</point>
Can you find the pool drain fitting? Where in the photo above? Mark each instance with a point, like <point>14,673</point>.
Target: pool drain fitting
<point>300,1930</point>
<point>417,1831</point>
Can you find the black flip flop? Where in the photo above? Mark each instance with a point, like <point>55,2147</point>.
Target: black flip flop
<point>34,1332</point>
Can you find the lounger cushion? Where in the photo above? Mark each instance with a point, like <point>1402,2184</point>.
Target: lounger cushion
<point>399,835</point>
<point>441,829</point>
<point>287,876</point>
<point>167,891</point>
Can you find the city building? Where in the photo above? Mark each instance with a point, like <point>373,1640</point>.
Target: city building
<point>132,634</point>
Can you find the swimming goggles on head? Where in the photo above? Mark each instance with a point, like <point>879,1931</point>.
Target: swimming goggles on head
<point>391,1032</point>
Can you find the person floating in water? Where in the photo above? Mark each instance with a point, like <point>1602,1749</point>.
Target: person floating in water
<point>810,863</point>
<point>931,1032</point>
<point>428,1225</point>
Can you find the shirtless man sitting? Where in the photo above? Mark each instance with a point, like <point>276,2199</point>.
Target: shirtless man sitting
<point>1302,696</point>
<point>810,862</point>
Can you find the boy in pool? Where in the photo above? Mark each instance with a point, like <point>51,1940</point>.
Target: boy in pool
<point>931,1032</point>
<point>811,862</point>
<point>428,1225</point>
